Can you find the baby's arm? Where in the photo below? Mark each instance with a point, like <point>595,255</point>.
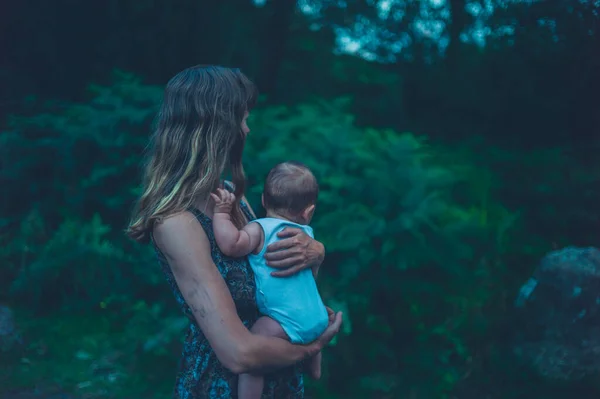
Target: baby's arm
<point>233,242</point>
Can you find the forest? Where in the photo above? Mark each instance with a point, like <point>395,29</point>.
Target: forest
<point>455,143</point>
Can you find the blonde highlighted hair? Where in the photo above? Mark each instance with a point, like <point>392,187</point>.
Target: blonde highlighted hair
<point>197,137</point>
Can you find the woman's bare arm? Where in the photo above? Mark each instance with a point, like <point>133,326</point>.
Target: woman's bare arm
<point>186,247</point>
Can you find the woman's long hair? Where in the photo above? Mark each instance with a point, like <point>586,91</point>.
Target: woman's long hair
<point>197,137</point>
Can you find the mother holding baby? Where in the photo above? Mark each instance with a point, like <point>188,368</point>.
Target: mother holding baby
<point>200,134</point>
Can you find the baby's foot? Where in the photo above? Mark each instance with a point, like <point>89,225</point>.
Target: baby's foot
<point>314,367</point>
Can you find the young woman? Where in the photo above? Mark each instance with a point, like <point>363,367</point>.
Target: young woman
<point>200,133</point>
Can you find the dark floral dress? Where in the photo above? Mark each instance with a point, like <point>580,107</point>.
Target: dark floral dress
<point>200,374</point>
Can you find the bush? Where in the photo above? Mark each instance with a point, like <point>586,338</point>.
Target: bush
<point>413,245</point>
<point>76,267</point>
<point>413,240</point>
<point>72,175</point>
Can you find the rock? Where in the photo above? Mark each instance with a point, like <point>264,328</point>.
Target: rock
<point>559,312</point>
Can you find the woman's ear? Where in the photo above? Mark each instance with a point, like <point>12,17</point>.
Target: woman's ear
<point>262,200</point>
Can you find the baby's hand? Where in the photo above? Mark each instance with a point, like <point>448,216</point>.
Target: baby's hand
<point>224,201</point>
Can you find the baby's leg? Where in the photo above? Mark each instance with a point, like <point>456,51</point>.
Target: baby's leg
<point>314,366</point>
<point>250,386</point>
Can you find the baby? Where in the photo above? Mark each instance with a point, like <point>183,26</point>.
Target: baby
<point>291,306</point>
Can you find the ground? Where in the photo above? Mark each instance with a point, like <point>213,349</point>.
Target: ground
<point>85,358</point>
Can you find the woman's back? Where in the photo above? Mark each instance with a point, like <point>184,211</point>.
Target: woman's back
<point>200,373</point>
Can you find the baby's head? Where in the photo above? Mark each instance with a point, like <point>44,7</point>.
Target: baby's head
<point>291,192</point>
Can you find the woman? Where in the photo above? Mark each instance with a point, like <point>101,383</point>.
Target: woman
<point>200,134</point>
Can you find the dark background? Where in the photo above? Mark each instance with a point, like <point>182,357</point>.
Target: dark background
<point>456,142</point>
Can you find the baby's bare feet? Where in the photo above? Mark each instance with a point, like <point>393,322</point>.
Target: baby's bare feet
<point>314,367</point>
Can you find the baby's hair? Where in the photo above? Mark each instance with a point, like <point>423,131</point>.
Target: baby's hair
<point>290,187</point>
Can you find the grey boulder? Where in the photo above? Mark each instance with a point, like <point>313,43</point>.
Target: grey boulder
<point>558,310</point>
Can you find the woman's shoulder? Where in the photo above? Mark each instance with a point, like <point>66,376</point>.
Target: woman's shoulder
<point>175,221</point>
<point>176,231</point>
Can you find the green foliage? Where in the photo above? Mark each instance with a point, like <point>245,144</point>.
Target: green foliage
<point>93,355</point>
<point>426,243</point>
<point>412,263</point>
<point>75,268</point>
<point>417,244</point>
<point>79,159</point>
<point>81,167</point>
<point>555,177</point>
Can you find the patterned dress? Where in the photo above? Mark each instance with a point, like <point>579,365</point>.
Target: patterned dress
<point>200,374</point>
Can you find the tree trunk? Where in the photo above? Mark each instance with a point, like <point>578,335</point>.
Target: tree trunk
<point>457,24</point>
<point>275,40</point>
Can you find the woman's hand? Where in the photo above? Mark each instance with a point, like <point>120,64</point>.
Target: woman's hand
<point>335,323</point>
<point>295,251</point>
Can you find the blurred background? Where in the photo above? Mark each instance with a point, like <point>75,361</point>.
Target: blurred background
<point>456,143</point>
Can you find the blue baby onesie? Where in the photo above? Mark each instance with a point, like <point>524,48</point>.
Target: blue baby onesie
<point>292,301</point>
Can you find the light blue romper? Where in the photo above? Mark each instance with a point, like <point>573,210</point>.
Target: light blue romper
<point>292,301</point>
